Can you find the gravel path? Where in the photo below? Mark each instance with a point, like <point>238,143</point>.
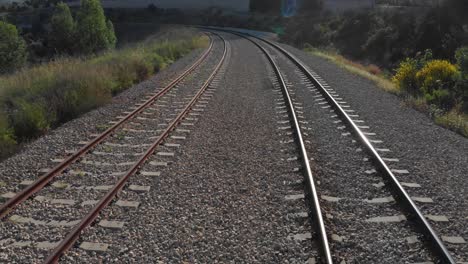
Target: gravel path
<point>436,158</point>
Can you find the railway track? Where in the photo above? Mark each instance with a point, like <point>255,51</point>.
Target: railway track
<point>348,117</point>
<point>110,160</point>
<point>132,148</point>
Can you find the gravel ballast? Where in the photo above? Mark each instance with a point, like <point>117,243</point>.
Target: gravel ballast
<point>227,186</point>
<point>436,158</point>
<point>346,185</point>
<point>224,196</point>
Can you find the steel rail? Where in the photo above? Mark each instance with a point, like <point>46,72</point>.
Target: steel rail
<point>401,193</point>
<point>74,234</point>
<point>42,181</point>
<point>311,188</point>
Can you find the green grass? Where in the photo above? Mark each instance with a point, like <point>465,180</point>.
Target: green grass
<point>454,119</point>
<point>37,99</point>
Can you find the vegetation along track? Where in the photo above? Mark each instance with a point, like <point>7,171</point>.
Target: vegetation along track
<point>133,133</point>
<point>347,116</point>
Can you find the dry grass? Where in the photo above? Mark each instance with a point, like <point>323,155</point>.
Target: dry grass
<point>454,119</point>
<point>371,72</point>
<point>36,99</point>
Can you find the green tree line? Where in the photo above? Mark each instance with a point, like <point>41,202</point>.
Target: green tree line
<point>90,32</point>
<point>424,51</point>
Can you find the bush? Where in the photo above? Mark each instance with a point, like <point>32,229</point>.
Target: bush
<point>437,74</point>
<point>7,141</point>
<point>438,81</point>
<point>405,76</point>
<point>13,53</point>
<point>29,119</point>
<point>82,89</point>
<point>440,97</point>
<point>157,61</point>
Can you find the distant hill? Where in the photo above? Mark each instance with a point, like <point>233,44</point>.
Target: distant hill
<point>238,5</point>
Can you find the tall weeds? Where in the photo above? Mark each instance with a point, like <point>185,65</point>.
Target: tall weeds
<point>42,97</point>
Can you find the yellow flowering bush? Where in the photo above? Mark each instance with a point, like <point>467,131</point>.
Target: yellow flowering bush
<point>405,76</point>
<point>437,74</point>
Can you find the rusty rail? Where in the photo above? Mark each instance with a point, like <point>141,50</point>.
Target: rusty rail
<point>74,234</point>
<point>42,181</point>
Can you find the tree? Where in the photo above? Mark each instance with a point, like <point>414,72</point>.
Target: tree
<point>92,31</point>
<point>13,53</point>
<point>63,29</point>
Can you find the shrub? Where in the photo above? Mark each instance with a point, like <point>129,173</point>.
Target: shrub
<point>405,76</point>
<point>440,97</point>
<point>29,119</point>
<point>62,29</point>
<point>80,88</point>
<point>437,74</point>
<point>7,141</point>
<point>13,53</point>
<point>157,61</point>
